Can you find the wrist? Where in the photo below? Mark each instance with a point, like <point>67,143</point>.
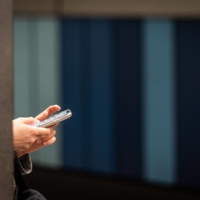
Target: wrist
<point>19,154</point>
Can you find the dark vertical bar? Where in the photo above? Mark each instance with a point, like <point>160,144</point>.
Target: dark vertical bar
<point>128,84</point>
<point>6,101</point>
<point>102,65</point>
<point>71,79</point>
<point>189,102</point>
<point>85,101</point>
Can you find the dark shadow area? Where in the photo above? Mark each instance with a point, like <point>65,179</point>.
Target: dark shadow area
<point>63,184</point>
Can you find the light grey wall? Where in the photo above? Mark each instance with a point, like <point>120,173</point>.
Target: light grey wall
<point>37,75</point>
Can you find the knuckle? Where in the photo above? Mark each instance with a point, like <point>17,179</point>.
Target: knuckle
<point>26,146</point>
<point>46,133</point>
<point>32,132</point>
<point>49,132</point>
<point>22,148</point>
<point>31,141</point>
<point>30,118</point>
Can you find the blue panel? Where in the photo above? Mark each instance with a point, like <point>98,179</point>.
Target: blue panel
<point>72,92</point>
<point>102,96</point>
<point>128,99</point>
<point>189,102</point>
<point>86,137</point>
<point>159,137</point>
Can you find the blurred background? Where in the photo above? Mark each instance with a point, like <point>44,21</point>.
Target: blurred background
<point>129,71</point>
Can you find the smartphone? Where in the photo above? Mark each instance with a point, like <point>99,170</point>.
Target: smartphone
<point>54,119</point>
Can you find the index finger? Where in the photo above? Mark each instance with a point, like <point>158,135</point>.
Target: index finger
<point>39,132</point>
<point>47,112</point>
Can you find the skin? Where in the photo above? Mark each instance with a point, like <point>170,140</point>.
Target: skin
<point>27,138</point>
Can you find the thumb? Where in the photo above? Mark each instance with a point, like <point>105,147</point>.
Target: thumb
<point>30,121</point>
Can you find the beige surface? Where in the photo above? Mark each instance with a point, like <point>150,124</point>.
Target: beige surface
<point>6,101</point>
<point>33,6</point>
<point>111,8</point>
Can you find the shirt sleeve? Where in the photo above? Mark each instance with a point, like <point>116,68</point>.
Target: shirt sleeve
<point>25,164</point>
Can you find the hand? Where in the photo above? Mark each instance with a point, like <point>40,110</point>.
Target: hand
<point>28,138</point>
<point>44,115</point>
